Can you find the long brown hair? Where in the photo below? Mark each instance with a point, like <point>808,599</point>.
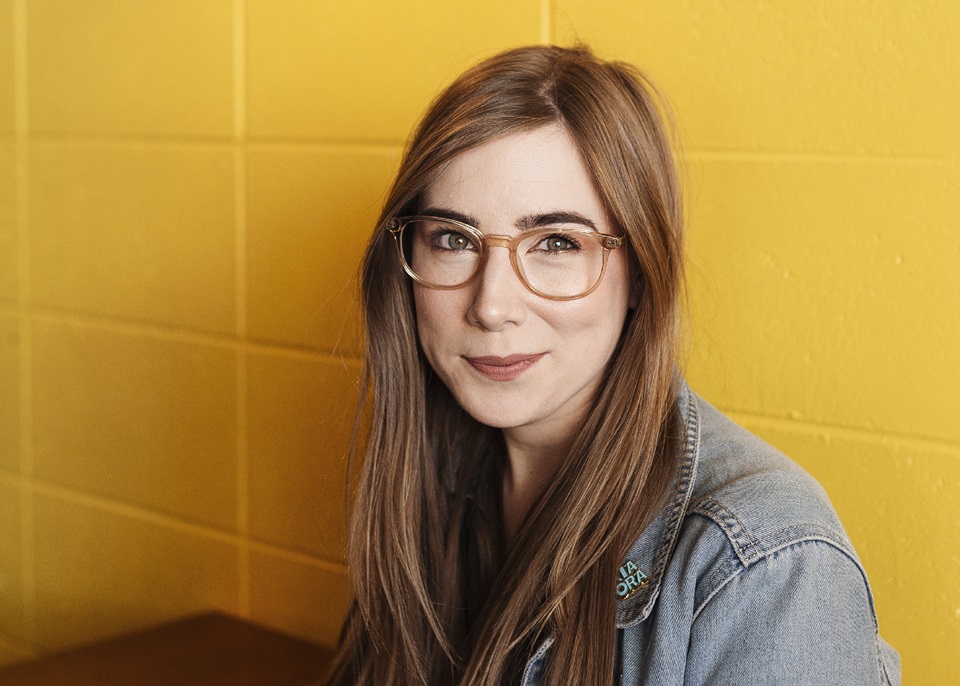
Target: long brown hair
<point>438,598</point>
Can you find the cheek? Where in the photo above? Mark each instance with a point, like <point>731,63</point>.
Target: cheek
<point>593,327</point>
<point>604,310</point>
<point>595,333</point>
<point>437,316</point>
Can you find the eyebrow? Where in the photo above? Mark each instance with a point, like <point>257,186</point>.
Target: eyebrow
<point>444,213</point>
<point>525,223</point>
<point>535,221</point>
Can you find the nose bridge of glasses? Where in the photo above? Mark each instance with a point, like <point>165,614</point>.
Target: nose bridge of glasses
<point>485,268</point>
<point>492,240</point>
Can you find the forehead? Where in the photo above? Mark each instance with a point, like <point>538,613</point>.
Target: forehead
<point>537,171</point>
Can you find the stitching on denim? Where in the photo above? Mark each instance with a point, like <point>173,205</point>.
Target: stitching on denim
<point>735,530</point>
<point>881,665</point>
<point>534,663</point>
<point>792,544</point>
<point>686,473</point>
<point>728,565</point>
<point>713,594</point>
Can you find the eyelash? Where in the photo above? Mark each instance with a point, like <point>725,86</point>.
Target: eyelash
<point>442,231</point>
<point>574,243</point>
<point>437,233</point>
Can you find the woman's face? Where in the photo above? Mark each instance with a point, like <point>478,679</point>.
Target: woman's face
<point>512,359</point>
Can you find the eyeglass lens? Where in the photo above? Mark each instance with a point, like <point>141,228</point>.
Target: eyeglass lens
<point>553,262</point>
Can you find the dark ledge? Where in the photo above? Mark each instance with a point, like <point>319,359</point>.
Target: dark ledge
<point>211,649</point>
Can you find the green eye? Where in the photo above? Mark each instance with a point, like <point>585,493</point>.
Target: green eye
<point>558,243</point>
<point>456,241</point>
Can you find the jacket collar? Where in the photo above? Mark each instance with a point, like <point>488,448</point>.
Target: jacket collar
<point>651,552</point>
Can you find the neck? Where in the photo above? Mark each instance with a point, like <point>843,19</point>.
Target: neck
<point>532,463</point>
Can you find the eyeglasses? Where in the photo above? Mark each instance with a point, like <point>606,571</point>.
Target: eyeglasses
<point>557,264</point>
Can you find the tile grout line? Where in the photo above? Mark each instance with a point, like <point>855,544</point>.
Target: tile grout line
<point>107,323</point>
<point>795,156</point>
<point>240,293</point>
<point>546,15</point>
<point>168,521</point>
<point>307,143</point>
<point>313,143</point>
<point>27,514</point>
<point>394,146</point>
<point>810,426</point>
<point>243,504</point>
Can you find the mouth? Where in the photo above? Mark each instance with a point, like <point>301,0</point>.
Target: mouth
<point>503,368</point>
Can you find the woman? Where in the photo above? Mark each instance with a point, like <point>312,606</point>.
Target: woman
<point>542,499</point>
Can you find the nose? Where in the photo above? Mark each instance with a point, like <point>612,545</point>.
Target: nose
<point>498,297</point>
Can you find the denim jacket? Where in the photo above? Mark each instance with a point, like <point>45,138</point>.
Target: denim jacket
<point>746,577</point>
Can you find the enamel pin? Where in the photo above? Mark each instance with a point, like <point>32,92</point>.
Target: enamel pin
<point>631,580</point>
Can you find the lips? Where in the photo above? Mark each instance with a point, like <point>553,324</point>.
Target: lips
<point>503,368</point>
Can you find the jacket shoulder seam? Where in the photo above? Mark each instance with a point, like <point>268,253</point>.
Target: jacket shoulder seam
<point>749,548</point>
<point>882,670</point>
<point>734,529</point>
<point>739,569</point>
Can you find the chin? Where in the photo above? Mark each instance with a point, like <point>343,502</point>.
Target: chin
<point>495,415</point>
<point>495,420</point>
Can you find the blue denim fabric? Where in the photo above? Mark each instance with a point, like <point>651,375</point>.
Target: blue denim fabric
<point>751,578</point>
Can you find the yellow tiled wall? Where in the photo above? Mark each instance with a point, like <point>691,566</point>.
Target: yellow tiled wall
<point>185,188</point>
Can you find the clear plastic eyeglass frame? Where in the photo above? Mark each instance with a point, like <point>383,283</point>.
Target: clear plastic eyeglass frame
<point>607,241</point>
